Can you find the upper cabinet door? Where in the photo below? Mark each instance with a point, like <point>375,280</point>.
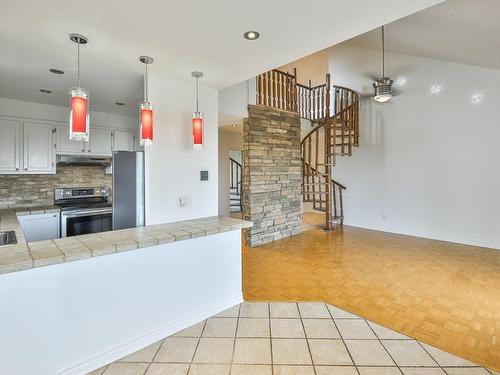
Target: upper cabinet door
<point>100,141</point>
<point>38,148</point>
<point>64,145</point>
<point>10,146</point>
<point>123,140</point>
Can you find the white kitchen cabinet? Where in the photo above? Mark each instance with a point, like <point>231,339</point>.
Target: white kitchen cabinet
<point>38,148</point>
<point>10,146</point>
<point>64,145</point>
<point>100,141</point>
<point>39,227</point>
<point>123,140</point>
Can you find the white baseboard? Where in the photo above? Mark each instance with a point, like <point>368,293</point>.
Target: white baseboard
<point>126,348</point>
<point>431,236</point>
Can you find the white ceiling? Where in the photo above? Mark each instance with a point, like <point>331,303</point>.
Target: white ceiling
<point>182,36</point>
<point>463,31</point>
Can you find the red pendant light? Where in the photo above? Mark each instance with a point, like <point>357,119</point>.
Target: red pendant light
<point>146,109</point>
<point>79,103</point>
<point>197,119</point>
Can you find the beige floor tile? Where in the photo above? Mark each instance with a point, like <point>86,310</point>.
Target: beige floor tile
<point>99,371</point>
<point>287,328</point>
<point>379,371</point>
<point>446,359</point>
<point>284,310</point>
<point>368,353</point>
<point>144,355</point>
<point>251,370</point>
<point>220,327</point>
<point>253,327</point>
<point>214,350</point>
<point>233,312</point>
<point>465,371</point>
<point>408,353</point>
<point>193,331</point>
<point>118,368</point>
<point>339,313</point>
<point>329,352</point>
<point>354,329</point>
<point>293,370</point>
<point>290,352</point>
<point>313,310</point>
<point>252,351</point>
<point>422,371</point>
<point>176,349</point>
<point>320,329</point>
<point>336,370</point>
<point>205,369</point>
<point>386,333</point>
<point>167,369</point>
<point>254,310</point>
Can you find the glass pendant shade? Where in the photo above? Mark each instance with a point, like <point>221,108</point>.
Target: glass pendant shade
<point>79,115</point>
<point>197,131</point>
<point>146,109</point>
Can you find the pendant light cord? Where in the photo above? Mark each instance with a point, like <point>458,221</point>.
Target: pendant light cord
<point>146,96</point>
<point>78,62</point>
<point>197,94</point>
<point>383,52</point>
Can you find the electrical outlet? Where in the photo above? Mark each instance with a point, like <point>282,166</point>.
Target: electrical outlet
<point>384,216</point>
<point>184,202</point>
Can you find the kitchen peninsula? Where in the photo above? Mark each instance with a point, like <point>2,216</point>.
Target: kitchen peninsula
<point>73,304</point>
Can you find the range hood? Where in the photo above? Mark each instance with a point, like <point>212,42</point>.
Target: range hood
<point>83,160</point>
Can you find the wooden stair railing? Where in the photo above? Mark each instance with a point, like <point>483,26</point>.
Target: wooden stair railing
<point>235,184</point>
<point>331,135</point>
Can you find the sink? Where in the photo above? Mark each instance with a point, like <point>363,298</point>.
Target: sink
<point>8,238</point>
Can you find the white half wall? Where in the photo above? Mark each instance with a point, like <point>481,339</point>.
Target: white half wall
<point>428,163</point>
<point>234,100</point>
<point>74,317</point>
<point>19,108</point>
<point>172,166</point>
<point>228,141</point>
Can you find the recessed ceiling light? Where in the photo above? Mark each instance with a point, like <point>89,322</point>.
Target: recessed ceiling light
<point>476,98</point>
<point>401,81</point>
<point>119,103</point>
<point>251,35</point>
<point>46,91</point>
<point>436,89</point>
<point>56,71</point>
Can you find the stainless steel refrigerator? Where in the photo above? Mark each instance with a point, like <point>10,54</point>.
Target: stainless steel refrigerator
<point>128,189</point>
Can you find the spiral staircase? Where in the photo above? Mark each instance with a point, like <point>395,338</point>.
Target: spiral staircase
<point>333,112</point>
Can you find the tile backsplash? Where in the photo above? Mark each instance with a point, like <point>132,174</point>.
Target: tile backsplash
<point>38,190</point>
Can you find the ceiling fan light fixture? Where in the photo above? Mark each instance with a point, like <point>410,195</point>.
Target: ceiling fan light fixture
<point>383,89</point>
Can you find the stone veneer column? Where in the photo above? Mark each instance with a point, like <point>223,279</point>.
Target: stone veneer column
<point>271,174</point>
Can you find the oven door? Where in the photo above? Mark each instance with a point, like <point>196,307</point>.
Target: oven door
<point>74,223</point>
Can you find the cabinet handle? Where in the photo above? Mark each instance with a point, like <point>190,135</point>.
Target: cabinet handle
<point>17,169</point>
<point>83,150</point>
<point>88,150</point>
<point>25,169</point>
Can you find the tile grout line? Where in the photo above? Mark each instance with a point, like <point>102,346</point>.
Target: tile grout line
<point>271,337</point>
<point>307,341</point>
<point>429,354</point>
<point>380,342</point>
<point>197,344</point>
<point>154,356</point>
<point>342,338</point>
<point>235,337</point>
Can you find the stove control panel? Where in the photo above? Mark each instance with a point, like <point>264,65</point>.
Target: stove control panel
<point>74,193</point>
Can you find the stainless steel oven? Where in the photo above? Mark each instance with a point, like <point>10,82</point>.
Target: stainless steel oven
<point>84,210</point>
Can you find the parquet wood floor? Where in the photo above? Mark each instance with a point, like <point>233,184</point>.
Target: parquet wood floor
<point>444,294</point>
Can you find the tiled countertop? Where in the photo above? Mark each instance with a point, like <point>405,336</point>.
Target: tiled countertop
<point>25,255</point>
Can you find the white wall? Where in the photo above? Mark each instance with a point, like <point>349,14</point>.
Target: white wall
<point>173,167</point>
<point>234,100</point>
<point>18,108</point>
<point>74,317</point>
<point>427,164</point>
<point>228,141</point>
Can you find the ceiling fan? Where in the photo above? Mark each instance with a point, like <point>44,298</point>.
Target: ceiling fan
<point>383,85</point>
